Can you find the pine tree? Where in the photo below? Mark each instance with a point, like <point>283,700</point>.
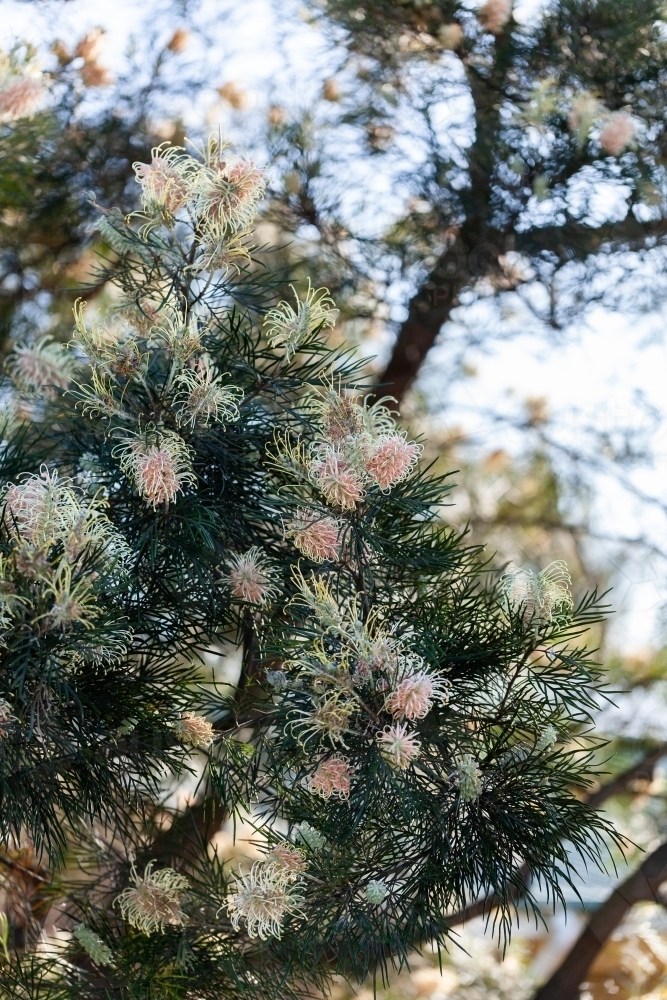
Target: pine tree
<point>408,730</point>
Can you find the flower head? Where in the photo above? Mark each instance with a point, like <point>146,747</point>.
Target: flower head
<point>251,577</point>
<point>161,469</point>
<point>315,536</point>
<point>332,717</point>
<point>28,506</point>
<point>43,367</point>
<point>263,898</point>
<point>495,14</point>
<point>414,696</point>
<point>167,181</point>
<point>203,397</point>
<point>585,108</point>
<point>398,746</point>
<point>543,596</point>
<point>73,601</point>
<point>470,778</point>
<point>93,945</point>
<point>290,328</point>
<point>6,717</point>
<point>391,459</point>
<point>154,901</point>
<point>617,134</point>
<point>194,731</point>
<point>229,189</point>
<point>337,481</point>
<point>332,777</point>
<point>311,837</point>
<point>288,857</point>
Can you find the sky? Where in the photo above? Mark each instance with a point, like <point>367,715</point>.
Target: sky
<point>607,373</point>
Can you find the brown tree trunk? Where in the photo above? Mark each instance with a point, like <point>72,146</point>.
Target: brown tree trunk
<point>642,886</point>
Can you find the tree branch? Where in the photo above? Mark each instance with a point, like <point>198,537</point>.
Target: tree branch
<point>642,886</point>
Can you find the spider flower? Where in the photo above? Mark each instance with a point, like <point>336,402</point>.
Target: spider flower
<point>167,181</point>
<point>315,536</point>
<point>330,718</point>
<point>263,897</point>
<point>229,189</point>
<point>93,945</point>
<point>202,397</point>
<point>391,460</point>
<point>159,470</point>
<point>375,892</point>
<point>332,777</point>
<point>338,482</point>
<point>398,746</point>
<point>289,858</point>
<point>289,328</point>
<point>20,97</point>
<point>543,596</point>
<point>495,14</point>
<point>6,717</point>
<point>194,731</point>
<point>415,695</point>
<point>154,901</point>
<point>547,738</point>
<point>250,577</point>
<point>41,368</point>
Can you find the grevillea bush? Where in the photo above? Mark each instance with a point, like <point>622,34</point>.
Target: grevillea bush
<point>406,731</point>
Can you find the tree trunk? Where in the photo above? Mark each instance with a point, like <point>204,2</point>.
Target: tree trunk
<point>641,887</point>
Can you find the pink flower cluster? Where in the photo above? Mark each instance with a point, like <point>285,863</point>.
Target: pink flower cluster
<point>231,192</point>
<point>495,14</point>
<point>289,858</point>
<point>21,98</point>
<point>391,460</point>
<point>316,537</point>
<point>157,477</point>
<point>27,506</point>
<point>414,696</point>
<point>617,134</point>
<point>332,777</point>
<point>162,183</point>
<point>337,480</point>
<point>250,578</point>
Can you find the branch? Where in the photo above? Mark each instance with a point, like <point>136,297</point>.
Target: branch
<point>640,887</point>
<point>643,770</point>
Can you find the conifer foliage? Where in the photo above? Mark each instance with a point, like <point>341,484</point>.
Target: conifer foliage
<point>403,735</point>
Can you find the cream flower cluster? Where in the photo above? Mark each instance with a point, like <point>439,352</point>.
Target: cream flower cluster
<point>265,895</point>
<point>539,597</point>
<point>218,194</point>
<point>360,677</point>
<point>156,458</point>
<point>50,525</point>
<point>153,902</point>
<point>42,368</point>
<point>290,327</point>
